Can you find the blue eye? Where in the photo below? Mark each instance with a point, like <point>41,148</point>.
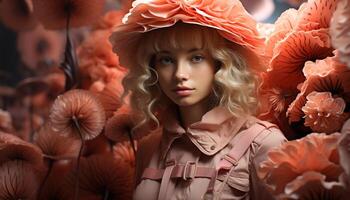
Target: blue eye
<point>197,58</point>
<point>166,60</point>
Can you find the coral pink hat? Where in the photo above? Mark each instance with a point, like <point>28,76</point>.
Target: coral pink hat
<point>228,17</point>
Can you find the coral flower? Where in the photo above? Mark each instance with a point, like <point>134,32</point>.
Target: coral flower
<point>344,148</point>
<point>55,146</point>
<point>297,48</point>
<point>118,128</point>
<point>339,30</point>
<point>319,68</point>
<point>323,113</point>
<point>53,13</point>
<point>336,81</point>
<point>110,97</point>
<point>40,47</point>
<point>77,113</point>
<point>18,181</point>
<point>14,148</point>
<point>316,14</point>
<point>110,20</point>
<point>100,53</point>
<point>56,83</point>
<point>98,145</point>
<point>284,25</point>
<point>124,151</point>
<point>103,177</point>
<point>53,188</point>
<point>303,168</point>
<point>17,14</point>
<point>344,154</point>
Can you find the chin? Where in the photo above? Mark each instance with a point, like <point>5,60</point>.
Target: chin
<point>185,102</point>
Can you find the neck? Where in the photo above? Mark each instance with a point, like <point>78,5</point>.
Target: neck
<point>194,113</point>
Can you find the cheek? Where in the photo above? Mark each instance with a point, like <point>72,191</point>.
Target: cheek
<point>205,77</point>
<point>164,80</point>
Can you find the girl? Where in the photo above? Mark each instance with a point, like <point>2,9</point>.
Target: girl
<point>192,67</point>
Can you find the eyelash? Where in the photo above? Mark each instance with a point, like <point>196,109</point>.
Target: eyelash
<point>162,60</point>
<point>166,59</point>
<point>193,59</point>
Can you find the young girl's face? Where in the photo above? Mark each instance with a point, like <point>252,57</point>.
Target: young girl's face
<point>186,75</point>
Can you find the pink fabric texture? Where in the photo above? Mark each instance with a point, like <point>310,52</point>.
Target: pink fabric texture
<point>204,143</point>
<point>229,18</point>
<point>211,134</point>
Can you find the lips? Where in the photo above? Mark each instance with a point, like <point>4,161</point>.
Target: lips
<point>183,91</point>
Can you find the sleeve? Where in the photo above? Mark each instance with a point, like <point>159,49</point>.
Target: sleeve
<point>270,138</point>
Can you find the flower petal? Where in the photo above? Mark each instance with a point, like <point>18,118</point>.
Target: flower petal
<point>339,30</point>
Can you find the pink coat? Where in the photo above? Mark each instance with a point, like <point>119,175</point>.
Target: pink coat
<point>203,145</point>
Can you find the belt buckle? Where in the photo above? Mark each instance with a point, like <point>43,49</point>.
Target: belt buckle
<point>189,170</point>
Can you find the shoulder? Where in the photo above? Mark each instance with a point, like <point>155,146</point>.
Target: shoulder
<point>270,136</point>
<point>146,147</point>
<point>148,144</point>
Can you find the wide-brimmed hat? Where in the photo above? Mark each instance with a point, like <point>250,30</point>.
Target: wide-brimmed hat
<point>228,17</point>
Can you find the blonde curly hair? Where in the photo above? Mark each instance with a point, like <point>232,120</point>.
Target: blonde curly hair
<point>235,84</point>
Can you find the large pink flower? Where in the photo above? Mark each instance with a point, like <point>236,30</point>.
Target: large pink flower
<point>228,17</point>
<point>91,54</point>
<point>77,113</point>
<point>118,128</point>
<point>304,168</point>
<point>19,180</point>
<point>56,146</point>
<point>14,148</point>
<point>319,68</point>
<point>110,97</point>
<point>316,14</point>
<point>323,113</point>
<point>297,48</point>
<point>124,151</point>
<point>17,14</point>
<point>332,79</point>
<point>40,47</point>
<point>102,177</point>
<point>344,151</point>
<point>283,26</point>
<point>289,50</point>
<point>340,30</point>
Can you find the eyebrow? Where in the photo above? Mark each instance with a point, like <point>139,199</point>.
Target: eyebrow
<point>194,50</point>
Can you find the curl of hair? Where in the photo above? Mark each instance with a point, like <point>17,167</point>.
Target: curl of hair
<point>235,84</point>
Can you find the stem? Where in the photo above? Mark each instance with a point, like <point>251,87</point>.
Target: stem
<point>31,123</point>
<point>106,196</point>
<point>50,163</point>
<point>67,25</point>
<point>75,120</point>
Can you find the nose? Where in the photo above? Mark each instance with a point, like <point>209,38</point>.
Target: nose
<point>183,71</point>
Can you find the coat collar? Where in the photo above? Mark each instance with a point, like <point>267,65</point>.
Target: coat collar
<point>215,130</point>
